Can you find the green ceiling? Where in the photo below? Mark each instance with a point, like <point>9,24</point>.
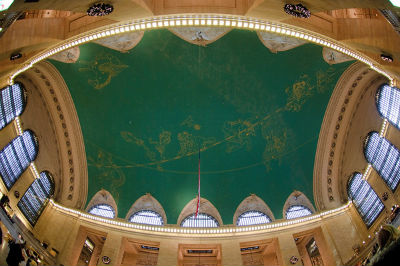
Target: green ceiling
<point>255,115</point>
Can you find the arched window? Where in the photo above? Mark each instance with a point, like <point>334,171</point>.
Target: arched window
<point>388,104</point>
<point>35,198</point>
<point>296,211</point>
<point>146,217</point>
<point>202,220</point>
<point>12,103</point>
<point>384,157</point>
<point>16,157</point>
<point>103,210</point>
<point>365,199</point>
<point>252,218</point>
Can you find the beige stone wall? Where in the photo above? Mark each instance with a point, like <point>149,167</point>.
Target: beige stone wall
<point>336,235</point>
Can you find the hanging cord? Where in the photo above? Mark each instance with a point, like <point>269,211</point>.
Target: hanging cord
<point>198,192</point>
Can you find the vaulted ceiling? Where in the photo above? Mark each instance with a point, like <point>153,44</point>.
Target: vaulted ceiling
<point>254,115</point>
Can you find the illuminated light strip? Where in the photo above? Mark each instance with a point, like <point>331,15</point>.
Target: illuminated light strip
<point>201,19</point>
<point>384,128</point>
<point>367,172</point>
<point>37,176</point>
<point>18,126</point>
<point>201,231</point>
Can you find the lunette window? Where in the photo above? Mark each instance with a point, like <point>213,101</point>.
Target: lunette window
<point>365,199</point>
<point>252,218</point>
<point>297,211</point>
<point>103,210</point>
<point>16,156</point>
<point>146,217</point>
<point>202,220</point>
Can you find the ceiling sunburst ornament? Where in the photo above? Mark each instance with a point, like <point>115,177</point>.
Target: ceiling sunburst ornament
<point>100,9</point>
<point>298,11</point>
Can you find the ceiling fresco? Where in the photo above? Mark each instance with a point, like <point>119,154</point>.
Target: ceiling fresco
<point>254,115</point>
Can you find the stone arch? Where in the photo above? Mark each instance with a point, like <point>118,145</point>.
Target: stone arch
<point>253,203</point>
<point>350,115</point>
<point>147,202</point>
<point>50,112</point>
<point>205,207</point>
<point>103,197</point>
<point>297,198</point>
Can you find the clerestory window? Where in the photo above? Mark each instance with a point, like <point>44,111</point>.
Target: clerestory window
<point>36,197</point>
<point>365,199</point>
<point>16,156</point>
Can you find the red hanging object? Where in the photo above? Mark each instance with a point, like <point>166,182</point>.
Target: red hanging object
<point>198,192</point>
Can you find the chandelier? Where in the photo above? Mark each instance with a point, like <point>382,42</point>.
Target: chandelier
<point>298,11</point>
<point>100,9</point>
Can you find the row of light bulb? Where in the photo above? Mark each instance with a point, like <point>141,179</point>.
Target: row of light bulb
<point>167,229</point>
<point>384,126</point>
<point>201,20</point>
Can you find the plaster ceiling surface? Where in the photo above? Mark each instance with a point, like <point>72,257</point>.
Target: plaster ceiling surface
<point>254,115</point>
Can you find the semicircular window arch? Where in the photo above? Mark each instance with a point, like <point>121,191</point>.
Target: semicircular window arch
<point>384,158</point>
<point>388,104</point>
<point>12,103</point>
<point>202,220</point>
<point>16,156</point>
<point>297,211</point>
<point>103,210</point>
<point>365,199</point>
<point>36,197</point>
<point>252,218</point>
<point>146,217</point>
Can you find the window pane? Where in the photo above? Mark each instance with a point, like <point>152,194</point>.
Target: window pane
<point>103,210</point>
<point>35,198</point>
<point>16,157</point>
<point>297,211</point>
<point>146,217</point>
<point>365,199</point>
<point>252,217</point>
<point>202,220</point>
<point>388,104</point>
<point>12,103</point>
<point>384,157</point>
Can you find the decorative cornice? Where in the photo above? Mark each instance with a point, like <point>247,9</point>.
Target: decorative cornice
<point>190,20</point>
<point>199,232</point>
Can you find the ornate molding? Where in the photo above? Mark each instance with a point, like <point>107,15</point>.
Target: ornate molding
<point>278,43</point>
<point>67,56</point>
<point>122,43</point>
<point>334,57</point>
<point>200,35</point>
